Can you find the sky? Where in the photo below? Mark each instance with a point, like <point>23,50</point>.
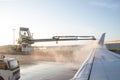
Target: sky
<point>47,18</point>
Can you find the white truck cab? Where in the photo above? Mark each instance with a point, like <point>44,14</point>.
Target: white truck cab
<point>9,69</point>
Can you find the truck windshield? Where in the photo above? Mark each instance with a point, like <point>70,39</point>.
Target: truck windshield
<point>13,64</point>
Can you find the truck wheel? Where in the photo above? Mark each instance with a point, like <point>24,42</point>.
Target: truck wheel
<point>1,78</point>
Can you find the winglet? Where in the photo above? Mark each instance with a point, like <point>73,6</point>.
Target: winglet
<point>101,41</point>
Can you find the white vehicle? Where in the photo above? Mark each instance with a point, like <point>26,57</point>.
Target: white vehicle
<point>9,69</point>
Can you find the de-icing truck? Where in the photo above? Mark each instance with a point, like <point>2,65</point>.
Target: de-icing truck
<point>9,69</point>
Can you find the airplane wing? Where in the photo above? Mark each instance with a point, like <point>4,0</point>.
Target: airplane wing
<point>101,64</point>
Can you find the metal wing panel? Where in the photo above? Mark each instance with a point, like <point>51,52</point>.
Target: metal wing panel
<point>106,66</point>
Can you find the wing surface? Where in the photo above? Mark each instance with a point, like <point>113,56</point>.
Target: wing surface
<point>101,64</point>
